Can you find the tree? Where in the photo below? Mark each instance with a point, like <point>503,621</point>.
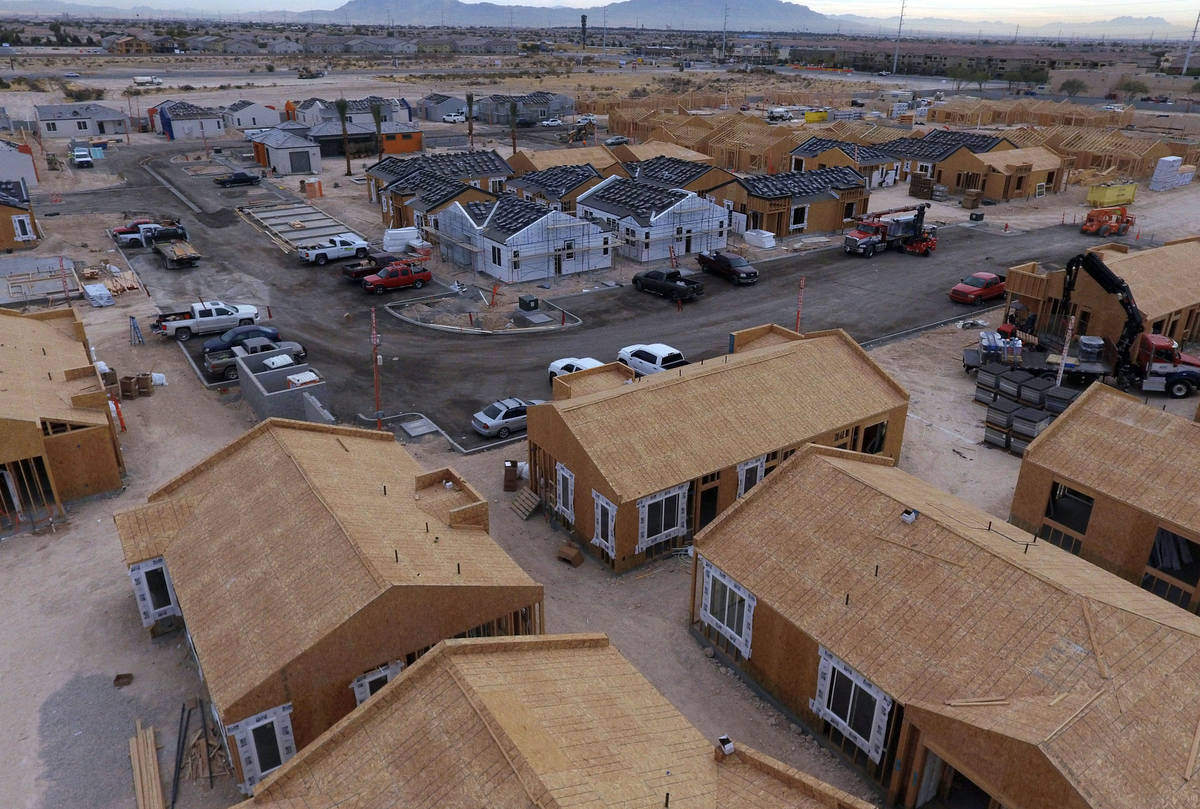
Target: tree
<point>1072,87</point>
<point>512,123</point>
<point>1131,89</point>
<point>959,75</point>
<point>343,109</point>
<point>377,117</point>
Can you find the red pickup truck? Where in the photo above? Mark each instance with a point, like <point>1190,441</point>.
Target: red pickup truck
<point>977,288</point>
<point>397,275</point>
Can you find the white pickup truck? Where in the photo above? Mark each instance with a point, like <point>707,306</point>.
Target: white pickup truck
<point>203,317</point>
<point>149,234</point>
<point>343,245</point>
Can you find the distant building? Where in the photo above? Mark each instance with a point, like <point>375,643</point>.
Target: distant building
<point>284,47</point>
<point>79,120</point>
<point>179,119</point>
<point>130,46</point>
<point>433,106</point>
<point>245,114</point>
<point>531,107</point>
<point>792,202</point>
<point>285,152</point>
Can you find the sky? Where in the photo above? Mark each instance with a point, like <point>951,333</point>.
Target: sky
<point>1016,12</point>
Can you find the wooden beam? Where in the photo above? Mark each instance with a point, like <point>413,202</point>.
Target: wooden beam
<point>1091,628</point>
<point>1191,765</point>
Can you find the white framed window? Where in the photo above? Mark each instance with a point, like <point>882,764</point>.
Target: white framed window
<point>496,255</point>
<point>153,590</point>
<point>751,472</point>
<point>23,228</point>
<point>1040,191</point>
<point>516,259</point>
<point>852,704</point>
<point>474,183</point>
<point>565,479</point>
<point>81,126</point>
<point>569,249</point>
<point>728,607</point>
<point>662,516</point>
<point>799,217</point>
<point>364,685</point>
<point>51,126</point>
<point>263,743</point>
<point>606,523</point>
<point>925,168</point>
<point>606,245</point>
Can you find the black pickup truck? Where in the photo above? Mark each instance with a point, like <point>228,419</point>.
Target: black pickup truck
<point>356,271</point>
<point>730,266</point>
<point>668,283</point>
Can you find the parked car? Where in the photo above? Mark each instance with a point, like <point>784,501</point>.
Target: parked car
<point>356,271</point>
<point>669,283</point>
<point>730,266</point>
<point>569,365</point>
<point>650,358</point>
<point>502,417</point>
<point>398,275</point>
<point>977,288</point>
<point>131,227</point>
<point>224,362</point>
<point>616,140</point>
<point>204,317</point>
<point>551,122</point>
<point>240,334</point>
<point>82,158</point>
<point>237,178</point>
<point>344,245</point>
<point>70,74</point>
<point>454,118</point>
<point>146,235</point>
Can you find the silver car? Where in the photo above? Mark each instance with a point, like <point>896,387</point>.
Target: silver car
<point>503,417</point>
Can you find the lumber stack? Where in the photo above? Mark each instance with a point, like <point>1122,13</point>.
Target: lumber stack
<point>143,757</point>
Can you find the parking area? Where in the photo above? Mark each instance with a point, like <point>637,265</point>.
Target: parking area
<point>448,376</point>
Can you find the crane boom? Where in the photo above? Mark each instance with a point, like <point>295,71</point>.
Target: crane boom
<point>1113,284</point>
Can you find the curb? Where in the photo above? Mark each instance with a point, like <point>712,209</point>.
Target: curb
<point>457,446</point>
<point>572,322</point>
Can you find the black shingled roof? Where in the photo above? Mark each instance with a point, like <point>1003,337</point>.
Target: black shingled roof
<point>457,165</point>
<point>431,190</point>
<point>640,200</point>
<point>923,149</point>
<point>862,155</point>
<point>972,140</point>
<point>557,181</point>
<point>802,183</point>
<point>512,215</point>
<point>668,172</point>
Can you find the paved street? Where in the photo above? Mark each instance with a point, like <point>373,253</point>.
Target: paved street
<point>448,376</point>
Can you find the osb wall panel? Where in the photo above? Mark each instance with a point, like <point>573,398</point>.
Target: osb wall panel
<point>1015,773</point>
<point>19,439</point>
<point>784,661</point>
<point>405,620</point>
<point>83,462</point>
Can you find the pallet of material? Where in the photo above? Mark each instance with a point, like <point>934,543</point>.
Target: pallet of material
<point>1060,397</point>
<point>1000,413</point>
<point>1009,383</point>
<point>143,757</point>
<point>997,438</point>
<point>121,282</point>
<point>988,375</point>
<point>1033,392</point>
<point>1017,445</point>
<point>1028,422</point>
<point>984,395</point>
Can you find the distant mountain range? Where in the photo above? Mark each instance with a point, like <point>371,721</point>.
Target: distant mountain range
<point>693,15</point>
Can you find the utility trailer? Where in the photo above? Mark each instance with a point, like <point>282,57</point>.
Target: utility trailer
<point>176,254</point>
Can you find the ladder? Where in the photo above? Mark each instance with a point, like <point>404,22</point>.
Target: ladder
<point>135,332</point>
<point>674,256</point>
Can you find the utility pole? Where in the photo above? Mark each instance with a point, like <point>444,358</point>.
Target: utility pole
<point>899,28</point>
<point>376,361</point>
<point>1191,45</point>
<point>724,29</point>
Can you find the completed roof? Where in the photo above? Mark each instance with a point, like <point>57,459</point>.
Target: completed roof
<point>548,722</point>
<point>430,190</point>
<point>1087,669</point>
<point>742,405</point>
<point>315,524</point>
<point>59,112</point>
<point>924,149</point>
<point>36,352</point>
<point>1162,279</point>
<point>862,155</point>
<point>182,110</point>
<point>803,184</point>
<point>974,141</point>
<point>14,194</point>
<point>281,139</point>
<point>1090,445</point>
<point>456,165</point>
<point>669,172</point>
<point>632,198</point>
<point>556,182</point>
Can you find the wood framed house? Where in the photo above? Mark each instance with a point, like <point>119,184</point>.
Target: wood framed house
<point>57,438</point>
<point>653,223</point>
<point>793,202</point>
<point>521,723</point>
<point>517,240</point>
<point>1163,280</point>
<point>952,159</point>
<point>393,181</point>
<point>599,157</point>
<point>636,152</point>
<point>557,187</point>
<point>1114,481</point>
<point>19,229</point>
<point>877,168</point>
<point>359,559</point>
<point>945,652</point>
<point>588,453</point>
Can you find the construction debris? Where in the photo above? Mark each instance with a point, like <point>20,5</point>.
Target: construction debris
<point>143,757</point>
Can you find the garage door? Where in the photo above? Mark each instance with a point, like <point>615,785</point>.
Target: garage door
<point>301,162</point>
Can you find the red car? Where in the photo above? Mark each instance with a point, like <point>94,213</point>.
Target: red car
<point>977,288</point>
<point>397,276</point>
<point>132,227</point>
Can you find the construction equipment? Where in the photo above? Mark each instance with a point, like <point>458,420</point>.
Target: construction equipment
<point>880,230</point>
<point>1108,221</point>
<point>579,132</point>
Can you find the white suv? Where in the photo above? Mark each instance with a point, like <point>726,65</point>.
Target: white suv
<point>454,118</point>
<point>650,359</point>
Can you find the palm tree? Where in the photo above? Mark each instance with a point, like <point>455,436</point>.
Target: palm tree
<point>343,109</point>
<point>512,123</point>
<point>377,117</point>
<point>471,120</point>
